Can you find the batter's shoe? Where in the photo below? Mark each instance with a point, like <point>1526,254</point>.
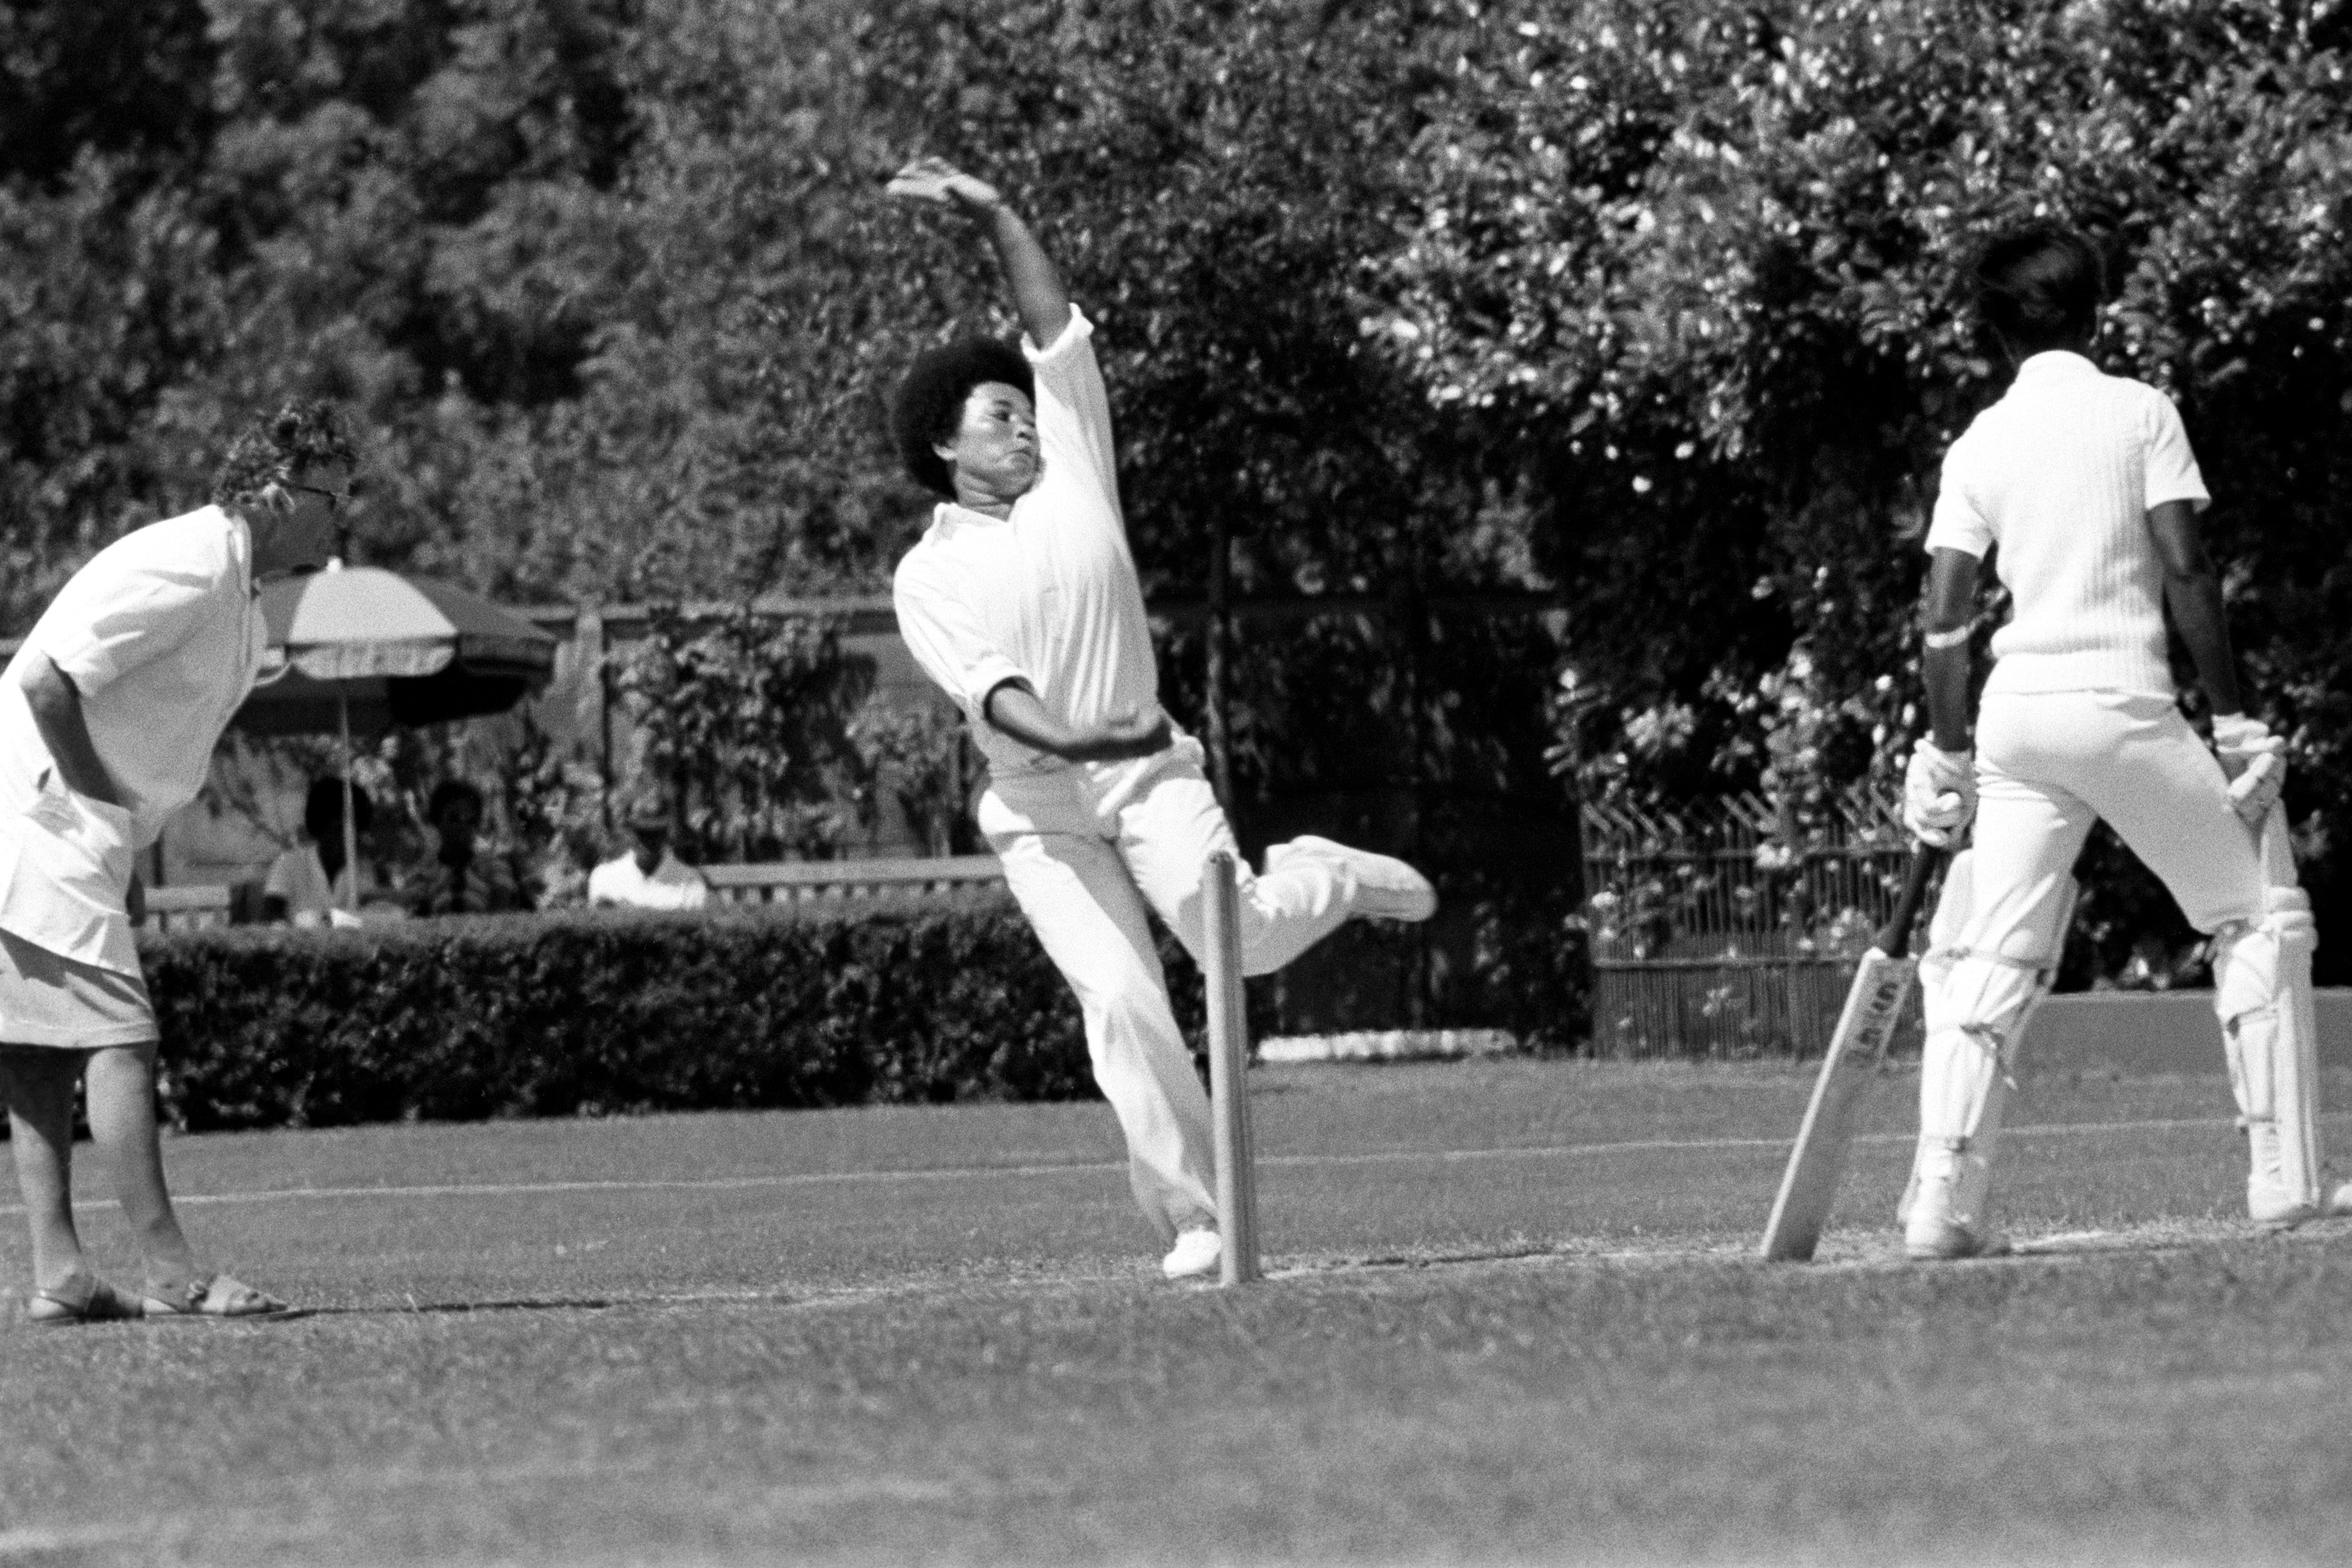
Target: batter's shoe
<point>2272,1202</point>
<point>1947,1241</point>
<point>1380,887</point>
<point>1935,1227</point>
<point>1196,1253</point>
<point>2273,1209</point>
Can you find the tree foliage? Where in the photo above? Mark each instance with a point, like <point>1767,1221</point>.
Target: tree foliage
<point>1699,263</point>
<point>748,722</point>
<point>1648,305</point>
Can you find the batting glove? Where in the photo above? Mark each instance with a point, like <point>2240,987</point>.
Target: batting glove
<point>2253,760</point>
<point>1939,794</point>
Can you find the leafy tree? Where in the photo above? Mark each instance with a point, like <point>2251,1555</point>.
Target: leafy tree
<point>117,77</point>
<point>1698,263</point>
<point>1645,307</point>
<point>111,299</point>
<point>746,721</point>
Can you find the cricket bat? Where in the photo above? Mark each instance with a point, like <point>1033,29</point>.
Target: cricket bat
<point>1874,1006</point>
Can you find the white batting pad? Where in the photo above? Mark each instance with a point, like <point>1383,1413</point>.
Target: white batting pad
<point>1977,1004</point>
<point>2262,993</point>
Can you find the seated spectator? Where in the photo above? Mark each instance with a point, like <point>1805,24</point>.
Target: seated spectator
<point>310,885</point>
<point>649,876</point>
<point>465,878</point>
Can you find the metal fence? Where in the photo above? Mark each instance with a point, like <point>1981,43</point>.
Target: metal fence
<point>1729,930</point>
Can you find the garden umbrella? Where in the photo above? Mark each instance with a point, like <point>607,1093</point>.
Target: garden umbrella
<point>360,647</point>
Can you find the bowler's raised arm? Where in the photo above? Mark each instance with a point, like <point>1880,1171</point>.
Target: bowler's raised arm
<point>1037,290</point>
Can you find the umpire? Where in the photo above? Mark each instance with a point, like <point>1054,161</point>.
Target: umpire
<point>109,715</point>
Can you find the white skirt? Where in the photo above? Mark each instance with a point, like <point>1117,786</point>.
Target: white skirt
<point>52,1001</point>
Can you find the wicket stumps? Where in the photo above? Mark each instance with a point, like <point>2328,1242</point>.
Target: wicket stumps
<point>1228,1073</point>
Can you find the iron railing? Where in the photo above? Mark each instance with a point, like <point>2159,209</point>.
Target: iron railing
<point>1731,929</point>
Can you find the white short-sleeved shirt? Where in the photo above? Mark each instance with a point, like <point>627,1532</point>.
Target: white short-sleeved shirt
<point>1049,594</point>
<point>673,885</point>
<point>299,877</point>
<point>162,634</point>
<point>2062,474</point>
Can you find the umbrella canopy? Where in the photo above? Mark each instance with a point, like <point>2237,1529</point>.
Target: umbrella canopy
<point>388,650</point>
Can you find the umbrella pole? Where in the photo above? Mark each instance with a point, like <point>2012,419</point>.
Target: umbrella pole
<point>350,828</point>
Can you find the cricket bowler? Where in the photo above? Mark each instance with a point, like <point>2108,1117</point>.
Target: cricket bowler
<point>2086,483</point>
<point>1022,603</point>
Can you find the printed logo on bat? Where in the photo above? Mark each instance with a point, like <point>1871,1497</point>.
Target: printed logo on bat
<point>1884,1004</point>
<point>1873,1013</point>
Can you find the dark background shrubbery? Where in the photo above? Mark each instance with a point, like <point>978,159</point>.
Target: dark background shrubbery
<point>893,1000</point>
<point>612,1012</point>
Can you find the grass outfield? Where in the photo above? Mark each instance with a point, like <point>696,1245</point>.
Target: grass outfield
<point>1514,1321</point>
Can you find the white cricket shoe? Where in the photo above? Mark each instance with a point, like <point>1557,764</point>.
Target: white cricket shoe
<point>1932,1229</point>
<point>1196,1253</point>
<point>1380,887</point>
<point>2275,1208</point>
<point>2339,1203</point>
<point>1934,1239</point>
<point>2272,1202</point>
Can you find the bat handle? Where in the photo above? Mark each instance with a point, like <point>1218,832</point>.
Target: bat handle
<point>2274,842</point>
<point>1894,938</point>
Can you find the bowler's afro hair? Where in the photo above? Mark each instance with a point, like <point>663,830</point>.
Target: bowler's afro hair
<point>930,402</point>
<point>2039,284</point>
<point>300,438</point>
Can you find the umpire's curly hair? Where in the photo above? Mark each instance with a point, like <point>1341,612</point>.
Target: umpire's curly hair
<point>930,400</point>
<point>2039,284</point>
<point>300,438</point>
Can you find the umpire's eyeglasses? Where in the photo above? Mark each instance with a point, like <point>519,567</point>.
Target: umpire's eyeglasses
<point>336,499</point>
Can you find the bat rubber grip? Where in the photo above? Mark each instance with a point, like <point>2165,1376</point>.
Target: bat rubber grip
<point>1894,938</point>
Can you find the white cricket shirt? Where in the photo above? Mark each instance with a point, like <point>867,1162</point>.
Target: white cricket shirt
<point>162,634</point>
<point>1049,594</point>
<point>2062,474</point>
<point>299,877</point>
<point>673,885</point>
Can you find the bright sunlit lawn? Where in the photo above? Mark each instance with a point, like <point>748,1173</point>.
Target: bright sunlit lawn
<point>1514,1318</point>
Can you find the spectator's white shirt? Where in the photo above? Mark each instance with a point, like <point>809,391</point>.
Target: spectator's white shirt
<point>2062,474</point>
<point>162,635</point>
<point>299,877</point>
<point>673,885</point>
<point>1049,594</point>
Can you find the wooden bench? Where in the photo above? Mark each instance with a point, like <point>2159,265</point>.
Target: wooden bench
<point>787,881</point>
<point>189,908</point>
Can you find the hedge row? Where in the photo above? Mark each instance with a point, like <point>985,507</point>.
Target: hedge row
<point>606,1012</point>
<point>600,1013</point>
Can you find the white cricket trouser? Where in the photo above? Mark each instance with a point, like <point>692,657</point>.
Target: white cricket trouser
<point>1086,848</point>
<point>2049,764</point>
